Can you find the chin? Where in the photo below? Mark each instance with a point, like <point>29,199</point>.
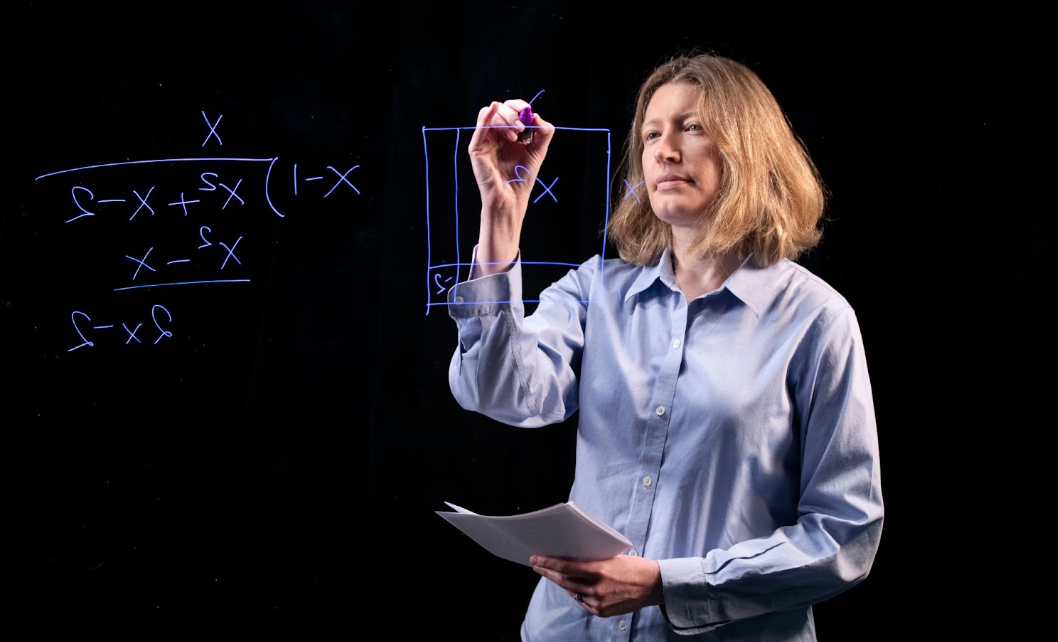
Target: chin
<point>677,217</point>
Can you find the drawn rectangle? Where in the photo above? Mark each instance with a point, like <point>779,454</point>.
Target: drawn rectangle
<point>568,208</point>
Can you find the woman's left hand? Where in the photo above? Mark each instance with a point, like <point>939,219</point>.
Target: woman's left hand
<point>605,588</point>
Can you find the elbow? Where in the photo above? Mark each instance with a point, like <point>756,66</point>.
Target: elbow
<point>857,554</point>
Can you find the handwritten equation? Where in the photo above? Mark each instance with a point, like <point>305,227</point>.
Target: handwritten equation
<point>83,198</point>
<point>579,157</point>
<point>155,225</point>
<point>82,322</point>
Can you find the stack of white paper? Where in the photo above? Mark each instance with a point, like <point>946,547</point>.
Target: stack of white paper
<point>563,530</point>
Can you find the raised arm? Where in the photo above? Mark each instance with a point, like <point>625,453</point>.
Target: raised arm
<point>505,169</point>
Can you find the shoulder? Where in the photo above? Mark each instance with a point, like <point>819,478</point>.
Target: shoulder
<point>825,314</point>
<point>790,293</point>
<point>805,286</point>
<point>782,285</point>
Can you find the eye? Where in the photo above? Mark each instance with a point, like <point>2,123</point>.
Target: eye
<point>650,135</point>
<point>697,127</point>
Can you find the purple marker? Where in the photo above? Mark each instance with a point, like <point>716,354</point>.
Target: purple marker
<point>526,116</point>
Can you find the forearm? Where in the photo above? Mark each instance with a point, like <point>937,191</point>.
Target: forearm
<point>511,368</point>
<point>498,241</point>
<point>505,170</point>
<point>796,567</point>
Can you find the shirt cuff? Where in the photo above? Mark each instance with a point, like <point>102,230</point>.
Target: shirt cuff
<point>487,294</point>
<point>684,585</point>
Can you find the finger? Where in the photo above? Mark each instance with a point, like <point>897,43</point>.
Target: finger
<point>559,565</point>
<point>495,120</point>
<point>582,600</point>
<point>542,125</point>
<point>517,106</point>
<point>480,138</point>
<point>486,113</point>
<point>505,120</point>
<point>560,580</point>
<point>542,131</point>
<point>512,110</point>
<point>525,129</point>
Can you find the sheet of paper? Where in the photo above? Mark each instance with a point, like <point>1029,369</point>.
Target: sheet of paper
<point>562,530</point>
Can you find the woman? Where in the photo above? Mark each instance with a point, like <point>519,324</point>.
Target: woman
<point>726,422</point>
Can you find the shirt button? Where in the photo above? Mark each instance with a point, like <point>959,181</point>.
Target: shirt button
<point>646,480</point>
<point>660,410</point>
<point>459,299</point>
<point>621,624</point>
<point>633,553</point>
<point>676,343</point>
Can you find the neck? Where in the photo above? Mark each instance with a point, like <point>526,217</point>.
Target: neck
<point>699,274</point>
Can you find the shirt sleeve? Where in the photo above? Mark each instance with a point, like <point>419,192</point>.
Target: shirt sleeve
<point>518,370</point>
<point>832,545</point>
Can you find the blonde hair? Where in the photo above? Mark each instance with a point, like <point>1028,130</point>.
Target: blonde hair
<point>771,198</point>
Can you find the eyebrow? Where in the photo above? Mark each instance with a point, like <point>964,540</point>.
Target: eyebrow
<point>682,116</point>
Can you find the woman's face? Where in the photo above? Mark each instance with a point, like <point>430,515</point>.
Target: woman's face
<point>681,165</point>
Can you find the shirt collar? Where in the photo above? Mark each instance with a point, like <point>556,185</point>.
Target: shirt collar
<point>752,285</point>
<point>661,270</point>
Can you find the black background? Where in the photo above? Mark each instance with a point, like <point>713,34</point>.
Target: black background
<point>271,470</point>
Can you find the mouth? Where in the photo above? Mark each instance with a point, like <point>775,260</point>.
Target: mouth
<point>671,180</point>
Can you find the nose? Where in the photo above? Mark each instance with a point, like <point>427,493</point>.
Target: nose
<point>668,149</point>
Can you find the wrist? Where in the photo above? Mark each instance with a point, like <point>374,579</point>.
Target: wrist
<point>493,258</point>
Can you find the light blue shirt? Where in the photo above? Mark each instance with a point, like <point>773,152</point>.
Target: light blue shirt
<point>731,438</point>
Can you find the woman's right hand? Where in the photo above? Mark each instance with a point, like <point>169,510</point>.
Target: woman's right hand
<point>505,170</point>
